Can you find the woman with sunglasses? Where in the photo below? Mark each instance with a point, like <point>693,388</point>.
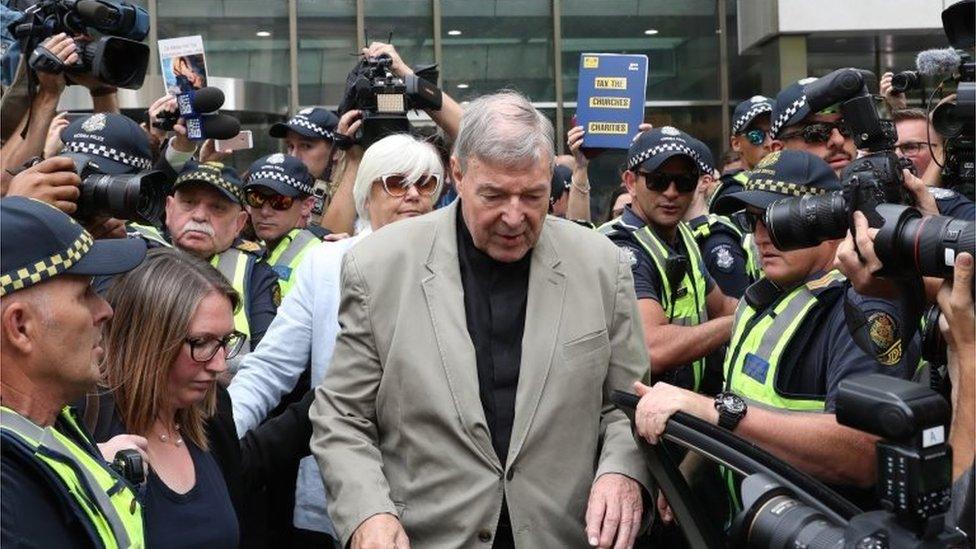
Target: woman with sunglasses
<point>399,177</point>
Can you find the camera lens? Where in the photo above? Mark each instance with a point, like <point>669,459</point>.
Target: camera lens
<point>927,245</point>
<point>136,197</point>
<point>782,522</point>
<point>116,61</point>
<point>803,222</point>
<point>903,81</point>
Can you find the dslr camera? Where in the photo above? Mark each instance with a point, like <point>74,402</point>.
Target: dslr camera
<point>914,478</point>
<point>117,58</point>
<point>873,185</point>
<point>384,98</point>
<point>139,197</point>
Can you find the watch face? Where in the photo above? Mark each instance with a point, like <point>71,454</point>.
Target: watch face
<point>733,404</point>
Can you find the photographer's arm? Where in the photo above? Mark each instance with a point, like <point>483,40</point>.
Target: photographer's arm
<point>340,216</point>
<point>956,301</point>
<point>812,442</point>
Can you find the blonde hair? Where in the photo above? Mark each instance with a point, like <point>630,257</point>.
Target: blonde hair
<point>153,305</point>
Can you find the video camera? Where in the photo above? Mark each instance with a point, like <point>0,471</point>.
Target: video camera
<point>384,98</point>
<point>914,478</point>
<point>139,197</point>
<point>117,59</point>
<point>873,185</point>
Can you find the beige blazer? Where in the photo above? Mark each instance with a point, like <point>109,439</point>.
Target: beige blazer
<point>398,425</point>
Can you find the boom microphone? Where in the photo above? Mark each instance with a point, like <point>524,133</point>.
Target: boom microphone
<point>938,63</point>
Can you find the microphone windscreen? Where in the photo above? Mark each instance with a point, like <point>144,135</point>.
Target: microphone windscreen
<point>207,99</point>
<point>937,63</point>
<point>219,126</point>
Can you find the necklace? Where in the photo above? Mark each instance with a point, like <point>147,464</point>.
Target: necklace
<point>164,438</point>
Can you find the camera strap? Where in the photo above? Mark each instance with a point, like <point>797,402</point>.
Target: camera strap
<point>868,330</point>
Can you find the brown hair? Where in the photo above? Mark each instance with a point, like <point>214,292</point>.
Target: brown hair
<point>909,114</point>
<point>153,306</point>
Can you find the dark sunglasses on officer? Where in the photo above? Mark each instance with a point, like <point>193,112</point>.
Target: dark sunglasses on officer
<point>660,181</point>
<point>817,132</point>
<point>257,199</point>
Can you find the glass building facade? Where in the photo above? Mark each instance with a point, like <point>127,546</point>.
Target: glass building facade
<point>696,73</point>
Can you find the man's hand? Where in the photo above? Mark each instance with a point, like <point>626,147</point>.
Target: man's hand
<point>924,200</point>
<point>398,67</point>
<point>118,443</point>
<point>382,531</point>
<point>614,511</point>
<point>574,138</point>
<point>209,152</point>
<point>860,269</point>
<point>52,144</point>
<point>664,509</point>
<point>53,181</point>
<point>106,227</point>
<point>956,301</point>
<point>164,103</point>
<point>643,127</point>
<point>895,100</point>
<point>63,47</point>
<point>660,402</point>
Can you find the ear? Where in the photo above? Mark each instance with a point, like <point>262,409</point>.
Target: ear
<point>456,174</point>
<point>734,142</point>
<point>239,223</point>
<point>630,181</point>
<point>17,325</point>
<point>775,145</point>
<point>307,204</point>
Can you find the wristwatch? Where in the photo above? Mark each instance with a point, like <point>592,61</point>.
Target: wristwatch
<point>731,409</point>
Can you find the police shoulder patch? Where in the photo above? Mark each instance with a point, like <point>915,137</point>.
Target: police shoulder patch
<point>885,337</point>
<point>723,257</point>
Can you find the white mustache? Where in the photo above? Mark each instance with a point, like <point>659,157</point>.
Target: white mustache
<point>205,228</point>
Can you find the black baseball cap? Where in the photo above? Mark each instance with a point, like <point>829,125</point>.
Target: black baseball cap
<point>779,175</point>
<point>113,142</point>
<point>216,174</point>
<point>562,177</point>
<point>706,162</point>
<point>747,111</point>
<point>313,122</point>
<point>39,242</point>
<point>791,106</point>
<point>282,173</point>
<point>652,148</point>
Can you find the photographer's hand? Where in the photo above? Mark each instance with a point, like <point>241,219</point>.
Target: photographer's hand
<point>894,100</point>
<point>924,200</point>
<point>53,181</point>
<point>53,142</point>
<point>164,103</point>
<point>63,47</point>
<point>956,301</point>
<point>860,269</point>
<point>398,67</point>
<point>955,298</point>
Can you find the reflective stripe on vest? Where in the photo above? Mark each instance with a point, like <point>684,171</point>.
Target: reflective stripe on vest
<point>687,308</point>
<point>233,264</point>
<point>289,254</point>
<point>109,504</point>
<point>753,263</point>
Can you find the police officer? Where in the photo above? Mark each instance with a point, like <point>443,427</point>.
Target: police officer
<point>562,178</point>
<point>311,136</point>
<point>729,258</point>
<point>750,138</point>
<point>685,316</point>
<point>204,216</point>
<point>791,346</point>
<point>57,489</point>
<point>278,193</point>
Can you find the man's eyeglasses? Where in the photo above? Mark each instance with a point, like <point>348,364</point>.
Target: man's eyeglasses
<point>818,132</point>
<point>659,181</point>
<point>912,148</point>
<point>203,349</point>
<point>397,185</point>
<point>756,136</point>
<point>280,202</point>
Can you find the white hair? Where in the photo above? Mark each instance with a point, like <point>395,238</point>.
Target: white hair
<point>503,129</point>
<point>395,154</point>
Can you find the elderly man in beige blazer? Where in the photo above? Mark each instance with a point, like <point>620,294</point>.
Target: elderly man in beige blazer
<point>407,455</point>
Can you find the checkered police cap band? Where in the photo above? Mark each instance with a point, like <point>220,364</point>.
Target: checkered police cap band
<point>214,179</point>
<point>109,153</point>
<point>44,269</point>
<point>326,134</point>
<point>740,124</point>
<point>785,116</point>
<point>284,178</point>
<point>639,158</point>
<point>782,187</point>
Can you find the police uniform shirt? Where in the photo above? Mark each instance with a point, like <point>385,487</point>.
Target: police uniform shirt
<point>823,352</point>
<point>725,261</point>
<point>647,280</point>
<point>953,204</point>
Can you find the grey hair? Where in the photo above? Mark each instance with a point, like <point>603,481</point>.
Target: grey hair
<point>395,154</point>
<point>503,129</point>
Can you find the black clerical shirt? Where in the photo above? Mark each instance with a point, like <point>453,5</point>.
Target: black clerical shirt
<point>495,296</point>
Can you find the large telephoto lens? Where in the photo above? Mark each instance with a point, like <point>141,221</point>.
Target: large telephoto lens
<point>804,222</point>
<point>136,197</point>
<point>772,518</point>
<point>927,245</point>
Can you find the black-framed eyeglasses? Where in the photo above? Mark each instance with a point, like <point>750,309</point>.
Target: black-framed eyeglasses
<point>397,185</point>
<point>660,181</point>
<point>203,349</point>
<point>756,136</point>
<point>817,132</point>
